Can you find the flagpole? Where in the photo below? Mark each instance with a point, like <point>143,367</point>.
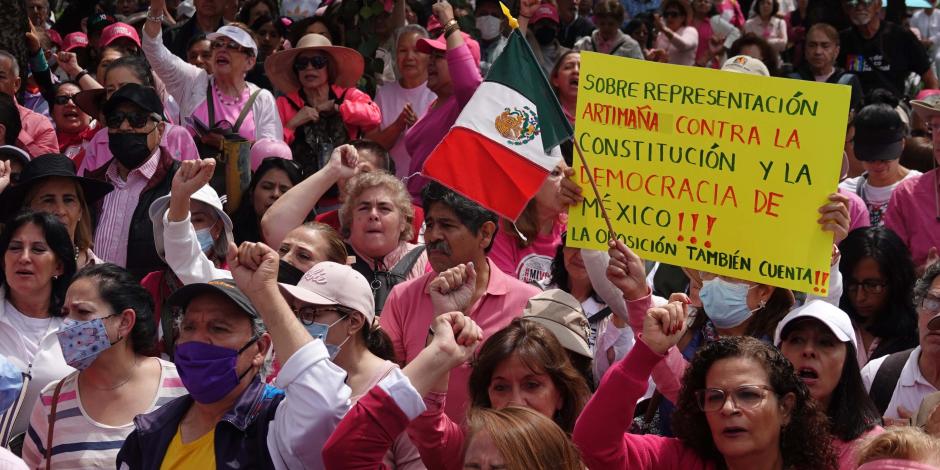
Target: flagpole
<point>597,194</point>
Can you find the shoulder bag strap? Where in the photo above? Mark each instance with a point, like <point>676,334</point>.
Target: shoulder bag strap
<point>55,402</point>
<point>245,110</point>
<point>210,106</point>
<point>886,379</point>
<point>404,265</point>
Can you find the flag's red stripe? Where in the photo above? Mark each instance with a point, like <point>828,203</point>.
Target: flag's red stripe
<point>485,171</point>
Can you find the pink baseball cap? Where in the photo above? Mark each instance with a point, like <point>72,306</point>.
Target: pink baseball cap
<point>434,23</point>
<point>329,283</point>
<point>439,44</point>
<point>118,30</point>
<point>268,147</point>
<point>74,41</point>
<point>545,11</point>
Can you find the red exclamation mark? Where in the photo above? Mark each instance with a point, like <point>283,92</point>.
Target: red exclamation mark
<point>825,282</point>
<point>816,287</point>
<point>681,219</point>
<point>711,224</point>
<point>694,226</point>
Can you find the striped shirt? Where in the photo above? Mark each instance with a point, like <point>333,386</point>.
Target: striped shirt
<point>117,209</point>
<point>78,441</point>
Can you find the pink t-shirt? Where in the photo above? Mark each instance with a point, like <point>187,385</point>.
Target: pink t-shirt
<point>846,450</point>
<point>912,214</point>
<point>532,263</point>
<point>227,112</point>
<point>858,211</point>
<point>408,313</point>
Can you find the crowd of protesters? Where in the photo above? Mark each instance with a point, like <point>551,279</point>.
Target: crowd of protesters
<point>219,249</point>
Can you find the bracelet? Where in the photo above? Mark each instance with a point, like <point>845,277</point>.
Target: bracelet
<point>155,19</point>
<point>79,75</point>
<point>451,28</point>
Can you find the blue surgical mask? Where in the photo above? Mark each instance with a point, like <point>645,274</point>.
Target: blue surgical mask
<point>82,342</point>
<point>204,237</point>
<point>725,302</point>
<point>320,330</point>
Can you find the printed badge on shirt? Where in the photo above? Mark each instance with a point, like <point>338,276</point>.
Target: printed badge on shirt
<point>860,63</point>
<point>534,268</point>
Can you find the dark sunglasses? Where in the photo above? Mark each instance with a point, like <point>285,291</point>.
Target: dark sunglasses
<point>672,14</point>
<point>317,61</point>
<point>137,119</point>
<point>62,99</point>
<point>232,46</point>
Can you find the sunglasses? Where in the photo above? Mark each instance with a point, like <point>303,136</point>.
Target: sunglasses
<point>137,119</point>
<point>62,99</point>
<point>745,397</point>
<point>860,3</point>
<point>230,46</point>
<point>672,14</point>
<point>317,61</point>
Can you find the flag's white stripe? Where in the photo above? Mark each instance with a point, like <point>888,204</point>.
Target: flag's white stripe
<point>489,101</point>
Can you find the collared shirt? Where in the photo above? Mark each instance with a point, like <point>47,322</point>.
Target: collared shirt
<point>37,135</point>
<point>912,386</point>
<point>117,210</point>
<point>408,314</point>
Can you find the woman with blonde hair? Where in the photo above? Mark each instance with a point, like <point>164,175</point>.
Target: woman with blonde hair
<point>902,447</point>
<point>518,438</point>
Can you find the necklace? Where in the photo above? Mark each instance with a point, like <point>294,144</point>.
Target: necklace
<point>115,387</point>
<point>218,92</point>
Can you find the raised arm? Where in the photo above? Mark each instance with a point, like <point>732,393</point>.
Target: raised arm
<point>290,210</point>
<point>178,75</point>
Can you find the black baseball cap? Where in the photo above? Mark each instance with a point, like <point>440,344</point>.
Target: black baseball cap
<point>879,133</point>
<point>144,97</point>
<point>184,295</point>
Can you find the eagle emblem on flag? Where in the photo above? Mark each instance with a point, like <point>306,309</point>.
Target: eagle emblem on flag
<point>518,126</point>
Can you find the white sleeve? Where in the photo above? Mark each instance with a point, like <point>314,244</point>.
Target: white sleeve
<point>621,339</point>
<point>185,257</point>
<point>834,293</point>
<point>397,386</point>
<point>267,122</point>
<point>595,262</point>
<point>316,400</point>
<point>869,371</point>
<point>178,75</point>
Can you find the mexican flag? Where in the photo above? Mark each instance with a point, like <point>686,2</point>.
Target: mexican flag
<point>505,141</point>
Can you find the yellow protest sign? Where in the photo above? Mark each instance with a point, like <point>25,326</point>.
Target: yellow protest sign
<point>718,171</point>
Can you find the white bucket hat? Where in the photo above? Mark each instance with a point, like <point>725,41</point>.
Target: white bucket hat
<point>205,195</point>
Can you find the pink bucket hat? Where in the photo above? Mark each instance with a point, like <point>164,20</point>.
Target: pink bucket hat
<point>268,147</point>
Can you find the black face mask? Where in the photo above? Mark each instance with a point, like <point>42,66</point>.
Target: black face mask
<point>288,274</point>
<point>545,36</point>
<point>130,149</point>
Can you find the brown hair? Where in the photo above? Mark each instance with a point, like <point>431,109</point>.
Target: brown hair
<point>83,239</point>
<point>557,67</point>
<point>336,251</point>
<point>826,29</point>
<point>682,5</point>
<point>609,9</point>
<point>525,438</point>
<point>904,442</point>
<point>539,350</point>
<point>377,179</point>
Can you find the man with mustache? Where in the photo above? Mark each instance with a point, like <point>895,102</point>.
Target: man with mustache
<point>882,53</point>
<point>458,233</point>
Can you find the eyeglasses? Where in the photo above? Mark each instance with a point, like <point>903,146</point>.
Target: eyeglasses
<point>672,14</point>
<point>870,286</point>
<point>308,314</point>
<point>745,397</point>
<point>860,3</point>
<point>232,46</point>
<point>317,61</point>
<point>62,99</point>
<point>137,119</point>
<point>930,304</point>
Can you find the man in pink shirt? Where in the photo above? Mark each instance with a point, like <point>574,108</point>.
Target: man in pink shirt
<point>37,136</point>
<point>915,201</point>
<point>457,231</point>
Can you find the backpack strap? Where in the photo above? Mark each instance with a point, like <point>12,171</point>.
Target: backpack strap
<point>600,315</point>
<point>886,379</point>
<point>210,106</point>
<point>404,265</point>
<point>245,110</point>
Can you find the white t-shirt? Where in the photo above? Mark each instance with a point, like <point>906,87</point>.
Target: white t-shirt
<point>876,198</point>
<point>31,329</point>
<point>391,99</point>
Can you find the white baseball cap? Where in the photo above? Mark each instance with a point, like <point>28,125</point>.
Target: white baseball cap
<point>746,64</point>
<point>329,283</point>
<point>830,315</point>
<point>235,34</point>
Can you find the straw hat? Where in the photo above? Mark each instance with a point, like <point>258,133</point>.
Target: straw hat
<point>347,64</point>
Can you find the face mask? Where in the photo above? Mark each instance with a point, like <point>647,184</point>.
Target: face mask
<point>204,237</point>
<point>725,302</point>
<point>129,148</point>
<point>319,330</point>
<point>82,342</point>
<point>545,36</point>
<point>489,27</point>
<point>288,274</point>
<point>208,371</point>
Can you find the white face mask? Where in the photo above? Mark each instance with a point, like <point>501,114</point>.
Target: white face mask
<point>489,27</point>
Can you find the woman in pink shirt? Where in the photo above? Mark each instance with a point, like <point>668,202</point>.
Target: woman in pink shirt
<point>676,36</point>
<point>741,407</point>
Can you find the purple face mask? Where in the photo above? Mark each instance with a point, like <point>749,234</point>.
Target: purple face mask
<point>208,371</point>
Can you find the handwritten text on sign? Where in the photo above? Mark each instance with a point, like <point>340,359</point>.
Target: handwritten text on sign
<point>711,170</point>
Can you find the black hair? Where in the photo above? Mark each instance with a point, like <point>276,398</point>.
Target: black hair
<point>137,65</point>
<point>851,411</point>
<point>471,214</point>
<point>386,163</point>
<point>877,116</point>
<point>10,118</point>
<point>298,29</point>
<point>245,11</point>
<point>882,96</point>
<point>193,40</point>
<point>378,342</point>
<point>58,241</point>
<point>897,320</point>
<point>122,291</point>
<point>640,20</point>
<point>245,220</point>
<point>559,273</point>
<point>775,7</point>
